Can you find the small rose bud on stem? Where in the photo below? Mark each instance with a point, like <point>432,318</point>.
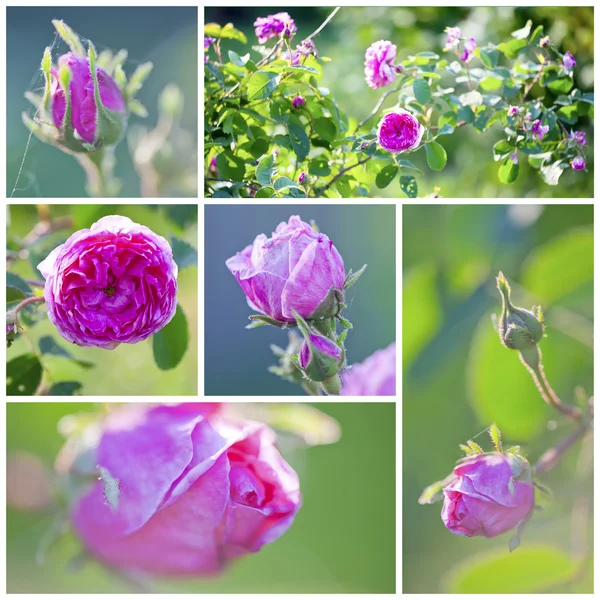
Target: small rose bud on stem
<point>521,330</point>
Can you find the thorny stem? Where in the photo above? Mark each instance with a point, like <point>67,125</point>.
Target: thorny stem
<point>322,190</point>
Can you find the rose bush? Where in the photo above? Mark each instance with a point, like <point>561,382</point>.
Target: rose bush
<point>113,283</point>
<point>184,490</point>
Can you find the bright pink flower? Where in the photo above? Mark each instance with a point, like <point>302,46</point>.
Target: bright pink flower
<point>298,101</point>
<point>379,64</point>
<point>301,177</point>
<point>297,268</point>
<point>569,61</point>
<point>513,111</point>
<point>399,131</point>
<point>578,137</point>
<point>375,376</point>
<point>194,491</point>
<point>273,26</point>
<point>468,49</point>
<point>321,345</point>
<point>453,37</point>
<point>489,495</point>
<point>578,163</point>
<point>83,104</point>
<point>538,131</point>
<point>113,283</point>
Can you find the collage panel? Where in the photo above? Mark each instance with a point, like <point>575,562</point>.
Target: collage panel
<point>102,300</point>
<point>498,398</point>
<point>320,290</point>
<point>140,139</point>
<point>237,497</point>
<point>398,102</point>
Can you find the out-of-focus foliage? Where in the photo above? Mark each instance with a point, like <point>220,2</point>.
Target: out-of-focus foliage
<point>130,369</point>
<point>362,234</point>
<point>342,540</point>
<point>458,379</point>
<point>471,170</point>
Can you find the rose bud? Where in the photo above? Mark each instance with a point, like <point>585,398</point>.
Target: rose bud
<point>379,64</point>
<point>113,283</point>
<point>184,491</point>
<point>518,328</point>
<point>301,177</point>
<point>298,101</point>
<point>490,494</point>
<point>399,132</point>
<point>297,268</point>
<point>578,163</point>
<point>375,376</point>
<point>88,107</point>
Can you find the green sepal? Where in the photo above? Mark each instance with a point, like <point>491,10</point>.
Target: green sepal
<point>69,37</point>
<point>332,386</point>
<point>475,447</point>
<point>435,492</point>
<point>352,278</point>
<point>496,437</point>
<point>137,79</point>
<point>260,320</point>
<point>46,70</point>
<point>329,306</point>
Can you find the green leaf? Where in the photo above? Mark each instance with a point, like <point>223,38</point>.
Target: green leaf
<point>534,568</point>
<point>299,140</point>
<point>436,156</point>
<point>285,182</point>
<point>422,91</point>
<point>491,83</point>
<point>523,33</point>
<point>65,388</point>
<point>238,60</point>
<point>231,166</point>
<point>227,31</point>
<point>509,171</point>
<point>265,170</point>
<point>489,57</point>
<point>588,97</point>
<point>445,130</point>
<point>279,112</point>
<point>502,149</point>
<point>48,345</point>
<point>265,192</point>
<point>537,35</point>
<point>14,282</point>
<point>319,166</point>
<point>325,129</point>
<point>386,176</point>
<point>568,114</point>
<point>403,163</point>
<point>23,375</point>
<point>496,437</point>
<point>171,342</point>
<point>513,48</point>
<point>262,84</point>
<point>408,184</point>
<point>466,114</point>
<point>551,173</point>
<point>561,85</point>
<point>184,254</point>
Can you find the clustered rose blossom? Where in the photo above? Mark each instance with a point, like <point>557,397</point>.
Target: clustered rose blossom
<point>569,61</point>
<point>195,490</point>
<point>399,131</point>
<point>273,26</point>
<point>468,49</point>
<point>578,137</point>
<point>298,101</point>
<point>113,283</point>
<point>538,131</point>
<point>578,163</point>
<point>379,64</point>
<point>297,268</point>
<point>486,498</point>
<point>84,112</point>
<point>207,42</point>
<point>375,376</point>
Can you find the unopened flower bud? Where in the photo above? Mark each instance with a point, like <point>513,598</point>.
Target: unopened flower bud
<point>578,163</point>
<point>320,358</point>
<point>301,177</point>
<point>518,328</point>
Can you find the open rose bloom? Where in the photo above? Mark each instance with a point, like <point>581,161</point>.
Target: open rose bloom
<point>486,497</point>
<point>297,268</point>
<point>399,131</point>
<point>379,64</point>
<point>190,490</point>
<point>113,283</point>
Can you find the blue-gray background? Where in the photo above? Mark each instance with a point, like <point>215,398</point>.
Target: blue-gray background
<point>236,359</point>
<point>166,36</point>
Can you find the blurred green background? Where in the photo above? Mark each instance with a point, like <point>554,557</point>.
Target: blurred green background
<point>458,379</point>
<point>342,541</point>
<point>471,170</point>
<point>236,359</point>
<point>167,36</point>
<point>128,369</point>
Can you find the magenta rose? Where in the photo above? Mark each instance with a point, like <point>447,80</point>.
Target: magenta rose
<point>195,491</point>
<point>399,131</point>
<point>491,494</point>
<point>84,112</point>
<point>379,64</point>
<point>113,283</point>
<point>375,376</point>
<point>297,268</point>
<point>273,26</point>
<point>578,163</point>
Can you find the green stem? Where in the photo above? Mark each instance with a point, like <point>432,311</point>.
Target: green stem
<point>551,457</point>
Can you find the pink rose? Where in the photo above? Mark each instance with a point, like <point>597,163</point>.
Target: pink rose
<point>399,131</point>
<point>195,491</point>
<point>375,376</point>
<point>379,64</point>
<point>492,493</point>
<point>296,268</point>
<point>113,283</point>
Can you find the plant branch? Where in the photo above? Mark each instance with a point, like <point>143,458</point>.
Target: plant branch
<point>377,106</point>
<point>35,282</point>
<point>323,189</point>
<point>26,302</point>
<point>551,457</point>
<point>323,24</point>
